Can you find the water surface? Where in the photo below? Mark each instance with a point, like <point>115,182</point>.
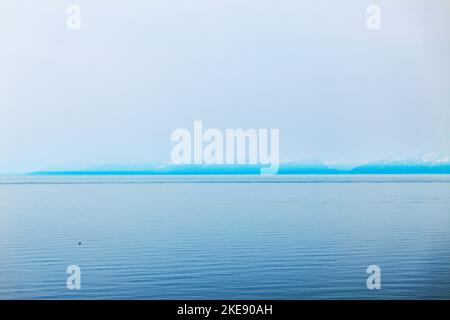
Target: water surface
<point>225,237</point>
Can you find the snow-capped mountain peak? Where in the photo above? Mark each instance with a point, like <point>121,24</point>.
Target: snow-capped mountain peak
<point>417,159</point>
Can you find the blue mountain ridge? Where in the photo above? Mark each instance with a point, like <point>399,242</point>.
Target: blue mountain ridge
<point>408,165</point>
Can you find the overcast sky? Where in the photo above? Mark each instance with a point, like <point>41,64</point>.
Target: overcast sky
<point>114,91</point>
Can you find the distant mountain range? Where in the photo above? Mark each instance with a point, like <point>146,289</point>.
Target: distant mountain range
<point>412,164</point>
<point>428,163</point>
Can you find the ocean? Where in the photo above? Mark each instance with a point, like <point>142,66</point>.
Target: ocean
<point>225,237</point>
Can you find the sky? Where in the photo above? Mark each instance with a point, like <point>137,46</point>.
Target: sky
<point>114,91</point>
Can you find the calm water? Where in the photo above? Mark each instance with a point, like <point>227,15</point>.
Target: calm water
<point>206,237</point>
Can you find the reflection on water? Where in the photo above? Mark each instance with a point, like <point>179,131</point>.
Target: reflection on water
<point>288,237</point>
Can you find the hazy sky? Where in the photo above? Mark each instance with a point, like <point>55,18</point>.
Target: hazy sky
<point>114,91</point>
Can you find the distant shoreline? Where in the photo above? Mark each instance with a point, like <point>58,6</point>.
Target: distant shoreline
<point>146,173</point>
